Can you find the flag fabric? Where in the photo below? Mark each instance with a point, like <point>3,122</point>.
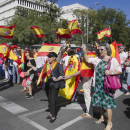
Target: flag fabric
<point>63,33</point>
<point>104,33</point>
<point>46,48</point>
<point>46,71</point>
<point>7,32</point>
<point>71,84</point>
<point>96,44</point>
<point>115,51</point>
<point>23,56</point>
<point>37,32</point>
<point>3,50</point>
<point>86,69</point>
<point>74,27</point>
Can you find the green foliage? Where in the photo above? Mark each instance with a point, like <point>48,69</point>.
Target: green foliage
<point>101,19</point>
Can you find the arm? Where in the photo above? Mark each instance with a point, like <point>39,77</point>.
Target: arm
<point>70,76</point>
<point>85,53</point>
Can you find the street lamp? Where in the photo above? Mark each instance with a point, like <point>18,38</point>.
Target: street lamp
<point>87,19</point>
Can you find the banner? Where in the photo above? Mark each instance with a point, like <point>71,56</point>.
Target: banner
<point>7,32</point>
<point>71,84</point>
<point>115,51</point>
<point>74,27</point>
<point>63,33</point>
<point>104,33</point>
<point>37,32</point>
<point>3,50</point>
<point>86,69</point>
<point>46,48</point>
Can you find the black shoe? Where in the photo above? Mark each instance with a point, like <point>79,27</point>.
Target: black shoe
<point>47,110</point>
<point>52,120</point>
<point>48,117</point>
<point>29,97</point>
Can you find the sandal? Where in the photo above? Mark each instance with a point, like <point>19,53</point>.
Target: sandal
<point>101,120</point>
<point>108,127</point>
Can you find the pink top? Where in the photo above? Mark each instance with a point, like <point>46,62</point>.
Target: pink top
<point>115,66</point>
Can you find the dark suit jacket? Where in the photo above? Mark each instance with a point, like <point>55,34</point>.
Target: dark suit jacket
<point>56,72</point>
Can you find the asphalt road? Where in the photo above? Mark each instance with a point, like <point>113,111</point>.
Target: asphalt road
<point>19,113</point>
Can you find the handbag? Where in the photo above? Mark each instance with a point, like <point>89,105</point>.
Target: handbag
<point>111,81</point>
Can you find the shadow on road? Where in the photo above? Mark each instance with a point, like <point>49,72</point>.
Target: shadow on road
<point>127,111</point>
<point>5,85</point>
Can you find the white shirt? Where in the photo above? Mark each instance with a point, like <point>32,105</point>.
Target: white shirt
<point>123,57</point>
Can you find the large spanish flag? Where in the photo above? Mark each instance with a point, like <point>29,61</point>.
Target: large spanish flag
<point>46,48</point>
<point>86,69</point>
<point>37,32</point>
<point>71,84</point>
<point>104,33</point>
<point>63,33</point>
<point>7,32</point>
<point>3,50</point>
<point>115,51</point>
<point>74,27</point>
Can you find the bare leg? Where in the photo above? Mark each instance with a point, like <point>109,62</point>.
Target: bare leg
<point>102,118</point>
<point>109,123</point>
<point>30,90</point>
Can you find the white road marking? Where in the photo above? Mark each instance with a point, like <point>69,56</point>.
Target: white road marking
<point>69,123</point>
<point>36,125</point>
<point>11,106</point>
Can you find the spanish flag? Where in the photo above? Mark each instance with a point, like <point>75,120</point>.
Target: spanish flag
<point>37,32</point>
<point>71,84</point>
<point>3,50</point>
<point>7,32</point>
<point>46,71</point>
<point>63,33</point>
<point>74,27</point>
<point>104,33</point>
<point>86,69</point>
<point>115,51</point>
<point>47,47</point>
<point>23,56</point>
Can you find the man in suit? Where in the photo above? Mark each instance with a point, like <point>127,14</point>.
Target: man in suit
<point>55,81</point>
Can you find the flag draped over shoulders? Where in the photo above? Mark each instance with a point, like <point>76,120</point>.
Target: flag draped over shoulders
<point>71,84</point>
<point>86,69</point>
<point>7,32</point>
<point>115,51</point>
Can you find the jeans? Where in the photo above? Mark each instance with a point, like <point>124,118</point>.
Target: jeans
<point>15,74</point>
<point>128,80</point>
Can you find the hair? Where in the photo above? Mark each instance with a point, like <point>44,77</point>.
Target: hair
<point>108,48</point>
<point>30,53</point>
<point>88,46</point>
<point>71,52</point>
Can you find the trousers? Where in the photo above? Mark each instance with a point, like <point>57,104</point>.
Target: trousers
<point>87,89</point>
<point>53,94</point>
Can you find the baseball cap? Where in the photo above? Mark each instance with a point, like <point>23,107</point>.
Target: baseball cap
<point>52,54</point>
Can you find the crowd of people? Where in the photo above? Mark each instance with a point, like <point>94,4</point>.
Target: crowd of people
<point>96,59</point>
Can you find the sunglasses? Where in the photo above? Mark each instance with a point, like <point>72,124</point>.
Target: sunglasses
<point>102,49</point>
<point>26,52</point>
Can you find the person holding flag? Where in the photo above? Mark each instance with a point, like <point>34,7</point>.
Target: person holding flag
<point>54,81</point>
<point>86,71</point>
<point>102,99</point>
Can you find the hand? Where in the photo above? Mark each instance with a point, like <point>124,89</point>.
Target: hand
<point>54,79</point>
<point>67,77</point>
<point>60,78</point>
<point>29,64</point>
<point>107,72</point>
<point>83,48</point>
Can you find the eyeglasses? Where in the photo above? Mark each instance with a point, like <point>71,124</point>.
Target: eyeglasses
<point>102,49</point>
<point>27,52</point>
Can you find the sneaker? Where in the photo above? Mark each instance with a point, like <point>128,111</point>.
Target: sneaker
<point>29,97</point>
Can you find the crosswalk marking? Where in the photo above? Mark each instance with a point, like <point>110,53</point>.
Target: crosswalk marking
<point>11,106</point>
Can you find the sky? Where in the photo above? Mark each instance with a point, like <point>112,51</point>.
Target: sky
<point>123,5</point>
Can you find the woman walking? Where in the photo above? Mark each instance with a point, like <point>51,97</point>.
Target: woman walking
<point>101,98</point>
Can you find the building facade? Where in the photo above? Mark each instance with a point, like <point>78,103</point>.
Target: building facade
<point>68,11</point>
<point>8,8</point>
